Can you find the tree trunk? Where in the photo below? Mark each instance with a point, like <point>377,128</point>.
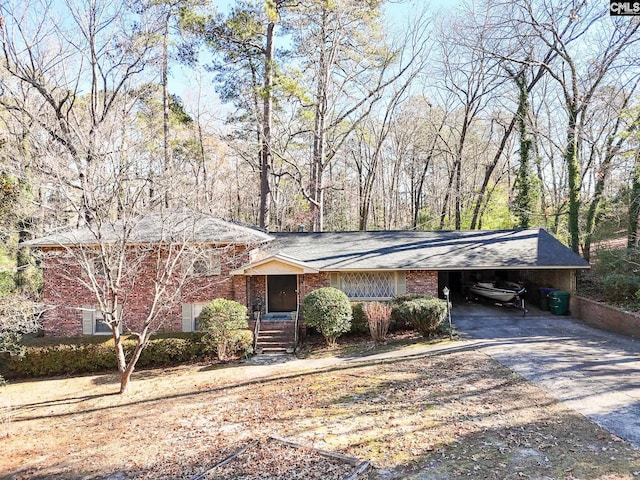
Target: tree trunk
<point>417,194</point>
<point>524,195</point>
<point>457,174</point>
<point>165,103</point>
<point>23,254</point>
<point>319,133</point>
<point>445,202</point>
<point>267,113</point>
<point>573,171</point>
<point>634,204</point>
<point>141,344</point>
<point>458,192</point>
<point>117,343</point>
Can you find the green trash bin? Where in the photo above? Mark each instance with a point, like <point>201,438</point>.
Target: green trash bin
<point>559,302</point>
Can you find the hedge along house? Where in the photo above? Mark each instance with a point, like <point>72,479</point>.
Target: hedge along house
<point>272,273</point>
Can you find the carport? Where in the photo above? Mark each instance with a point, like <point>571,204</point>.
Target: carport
<point>532,257</point>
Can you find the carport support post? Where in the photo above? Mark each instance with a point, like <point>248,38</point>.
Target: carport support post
<point>446,290</point>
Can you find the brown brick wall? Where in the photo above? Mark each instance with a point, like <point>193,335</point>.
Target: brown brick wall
<point>604,316</point>
<point>257,291</point>
<point>422,282</point>
<point>63,291</point>
<point>313,281</point>
<point>64,294</point>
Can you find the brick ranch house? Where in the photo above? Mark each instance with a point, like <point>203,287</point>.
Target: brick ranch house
<point>273,272</point>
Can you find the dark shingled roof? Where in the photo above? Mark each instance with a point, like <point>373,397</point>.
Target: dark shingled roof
<point>438,250</point>
<point>332,251</point>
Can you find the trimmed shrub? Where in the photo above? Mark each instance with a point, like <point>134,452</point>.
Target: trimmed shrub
<point>174,349</point>
<point>328,311</point>
<point>378,317</point>
<point>68,357</point>
<point>225,322</point>
<point>424,313</point>
<point>359,323</point>
<point>242,342</point>
<point>400,316</point>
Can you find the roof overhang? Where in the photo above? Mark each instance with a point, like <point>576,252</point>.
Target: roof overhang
<point>276,265</point>
<point>512,267</point>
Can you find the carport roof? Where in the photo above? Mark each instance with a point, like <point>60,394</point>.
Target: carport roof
<point>418,250</point>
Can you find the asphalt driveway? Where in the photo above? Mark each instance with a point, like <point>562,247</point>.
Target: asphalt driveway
<point>594,372</point>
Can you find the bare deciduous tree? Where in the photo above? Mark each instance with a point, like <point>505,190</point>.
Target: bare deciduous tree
<point>154,255</point>
<point>70,73</point>
<point>563,28</point>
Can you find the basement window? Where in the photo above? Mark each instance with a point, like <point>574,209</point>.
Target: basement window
<point>93,321</point>
<point>190,314</point>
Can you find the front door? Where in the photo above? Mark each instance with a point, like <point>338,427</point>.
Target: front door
<point>282,293</point>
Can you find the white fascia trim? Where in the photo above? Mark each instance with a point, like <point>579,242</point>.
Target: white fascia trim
<point>246,270</point>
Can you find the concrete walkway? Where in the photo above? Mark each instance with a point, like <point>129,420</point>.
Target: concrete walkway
<point>594,372</point>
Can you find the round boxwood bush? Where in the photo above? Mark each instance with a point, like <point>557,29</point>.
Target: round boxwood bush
<point>423,313</point>
<point>328,310</point>
<point>225,322</point>
<point>401,318</point>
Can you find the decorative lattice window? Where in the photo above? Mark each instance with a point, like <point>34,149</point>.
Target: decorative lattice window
<point>368,284</point>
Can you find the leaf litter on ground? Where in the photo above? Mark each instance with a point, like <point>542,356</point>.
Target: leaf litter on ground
<point>445,415</point>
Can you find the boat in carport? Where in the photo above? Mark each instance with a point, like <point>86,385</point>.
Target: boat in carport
<point>502,293</point>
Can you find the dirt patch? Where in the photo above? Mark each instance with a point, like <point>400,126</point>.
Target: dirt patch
<point>446,415</point>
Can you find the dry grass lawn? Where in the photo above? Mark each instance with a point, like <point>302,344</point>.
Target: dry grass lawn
<point>434,416</point>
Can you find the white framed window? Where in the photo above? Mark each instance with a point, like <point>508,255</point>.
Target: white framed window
<point>369,285</point>
<point>97,267</point>
<point>203,264</point>
<point>93,321</point>
<point>190,314</point>
<point>99,327</point>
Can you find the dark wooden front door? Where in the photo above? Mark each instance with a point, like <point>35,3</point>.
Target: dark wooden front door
<point>282,291</point>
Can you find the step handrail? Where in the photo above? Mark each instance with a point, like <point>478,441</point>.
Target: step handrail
<point>256,330</point>
<point>295,331</point>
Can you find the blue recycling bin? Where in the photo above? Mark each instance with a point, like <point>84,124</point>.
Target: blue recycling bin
<point>544,298</point>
